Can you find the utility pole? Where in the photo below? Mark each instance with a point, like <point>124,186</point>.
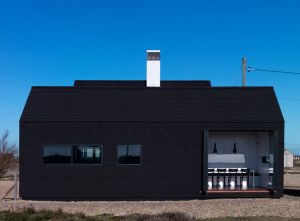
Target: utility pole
<point>244,71</point>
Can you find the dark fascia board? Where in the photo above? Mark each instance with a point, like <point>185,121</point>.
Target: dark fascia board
<point>50,87</point>
<point>141,84</point>
<point>243,88</point>
<point>153,122</point>
<point>191,86</point>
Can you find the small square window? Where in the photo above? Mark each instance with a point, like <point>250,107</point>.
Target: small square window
<point>129,154</point>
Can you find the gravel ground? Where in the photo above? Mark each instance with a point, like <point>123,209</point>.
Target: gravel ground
<point>284,207</point>
<point>287,206</point>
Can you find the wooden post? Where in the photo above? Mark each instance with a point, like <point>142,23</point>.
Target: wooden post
<point>15,186</point>
<point>205,135</point>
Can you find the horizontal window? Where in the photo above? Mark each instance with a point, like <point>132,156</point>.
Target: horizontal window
<point>72,154</point>
<point>57,154</point>
<point>129,154</point>
<point>87,154</point>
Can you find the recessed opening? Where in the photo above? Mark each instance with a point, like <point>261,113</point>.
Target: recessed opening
<point>242,161</point>
<point>153,56</point>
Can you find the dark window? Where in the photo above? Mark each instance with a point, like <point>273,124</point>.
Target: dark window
<point>129,154</point>
<point>87,154</point>
<point>57,154</point>
<point>153,56</point>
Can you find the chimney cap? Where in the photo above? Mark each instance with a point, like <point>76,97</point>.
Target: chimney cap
<point>149,51</point>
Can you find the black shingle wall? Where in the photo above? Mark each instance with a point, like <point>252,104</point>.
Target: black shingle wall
<point>170,163</point>
<point>171,160</point>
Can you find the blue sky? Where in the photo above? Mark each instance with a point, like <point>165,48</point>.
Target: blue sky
<point>55,42</point>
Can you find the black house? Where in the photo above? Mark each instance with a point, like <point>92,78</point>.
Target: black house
<point>151,140</point>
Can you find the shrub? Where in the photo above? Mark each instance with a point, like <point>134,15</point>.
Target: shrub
<point>7,154</point>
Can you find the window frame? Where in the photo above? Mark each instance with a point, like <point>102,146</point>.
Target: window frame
<point>86,146</point>
<point>129,164</point>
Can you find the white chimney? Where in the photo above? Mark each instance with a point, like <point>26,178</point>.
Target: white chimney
<point>153,68</point>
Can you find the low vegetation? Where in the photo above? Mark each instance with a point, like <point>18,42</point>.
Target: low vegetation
<point>7,154</point>
<point>59,215</point>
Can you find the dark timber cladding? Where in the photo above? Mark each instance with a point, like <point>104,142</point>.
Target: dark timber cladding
<point>168,123</point>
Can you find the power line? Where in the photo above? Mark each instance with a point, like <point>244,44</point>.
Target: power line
<point>287,98</point>
<point>274,71</point>
<point>291,144</point>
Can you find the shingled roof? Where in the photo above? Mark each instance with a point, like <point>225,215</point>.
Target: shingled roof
<point>132,101</point>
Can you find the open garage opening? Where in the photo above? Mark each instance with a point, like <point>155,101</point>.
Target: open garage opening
<point>241,161</point>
